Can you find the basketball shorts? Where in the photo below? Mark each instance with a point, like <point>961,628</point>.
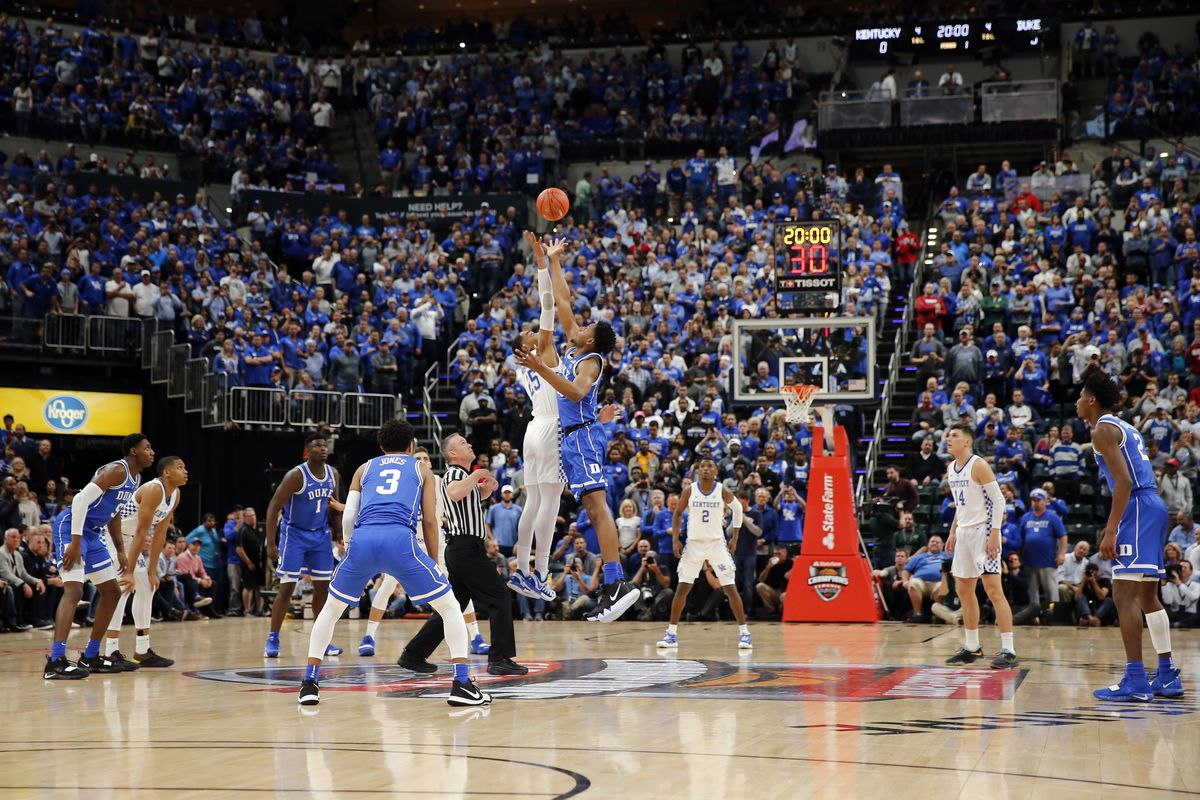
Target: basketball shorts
<point>392,550</point>
<point>1142,535</point>
<point>583,459</point>
<point>95,562</point>
<point>970,553</point>
<point>715,552</point>
<point>543,441</point>
<point>140,564</point>
<point>304,551</point>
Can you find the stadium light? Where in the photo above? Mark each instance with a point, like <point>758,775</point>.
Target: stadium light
<point>462,45</point>
<point>933,230</point>
<point>1164,155</point>
<point>228,210</point>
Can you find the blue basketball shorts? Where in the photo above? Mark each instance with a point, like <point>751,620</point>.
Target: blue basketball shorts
<point>583,459</point>
<point>393,550</point>
<point>95,560</point>
<point>304,551</point>
<point>1142,535</point>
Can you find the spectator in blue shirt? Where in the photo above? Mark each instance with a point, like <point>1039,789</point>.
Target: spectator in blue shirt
<point>1044,549</point>
<point>923,573</point>
<point>502,518</point>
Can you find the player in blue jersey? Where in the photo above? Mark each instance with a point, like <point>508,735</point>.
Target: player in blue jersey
<point>584,443</point>
<point>302,511</point>
<point>1134,539</point>
<point>83,555</point>
<point>387,496</point>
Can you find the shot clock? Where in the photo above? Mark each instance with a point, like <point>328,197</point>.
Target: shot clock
<point>808,274</point>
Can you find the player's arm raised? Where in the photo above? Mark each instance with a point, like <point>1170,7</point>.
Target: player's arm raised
<point>287,487</point>
<point>429,524</point>
<point>562,300</point>
<point>677,520</point>
<point>735,524</point>
<point>1106,439</point>
<point>587,372</point>
<point>349,513</point>
<point>553,255</point>
<point>145,517</point>
<point>981,473</point>
<point>109,477</point>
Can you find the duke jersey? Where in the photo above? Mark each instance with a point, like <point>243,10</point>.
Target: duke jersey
<point>541,394</point>
<point>1133,450</point>
<point>165,504</point>
<point>391,492</point>
<point>117,501</point>
<point>706,514</point>
<point>308,509</point>
<point>571,412</point>
<point>973,507</point>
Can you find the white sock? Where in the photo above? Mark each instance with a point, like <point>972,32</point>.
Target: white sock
<point>1160,630</point>
<point>972,636</point>
<point>143,645</point>
<point>1006,642</point>
<point>111,645</point>
<point>372,626</point>
<point>473,629</point>
<point>672,629</point>
<point>743,629</point>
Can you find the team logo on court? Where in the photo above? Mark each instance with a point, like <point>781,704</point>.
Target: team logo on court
<point>827,578</point>
<point>663,677</point>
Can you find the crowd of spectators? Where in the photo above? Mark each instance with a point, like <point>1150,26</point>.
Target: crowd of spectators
<point>1160,92</point>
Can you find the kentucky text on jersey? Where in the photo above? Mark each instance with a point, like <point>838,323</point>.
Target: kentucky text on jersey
<point>308,508</point>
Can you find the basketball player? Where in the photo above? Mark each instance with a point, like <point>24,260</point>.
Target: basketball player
<point>306,499</point>
<point>1134,537</point>
<point>83,555</point>
<point>975,542</point>
<point>706,501</point>
<point>584,443</point>
<point>387,586</point>
<point>381,514</point>
<point>156,502</point>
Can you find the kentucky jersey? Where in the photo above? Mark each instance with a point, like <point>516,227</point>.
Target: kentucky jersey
<point>309,508</point>
<point>571,412</point>
<point>391,492</point>
<point>166,502</point>
<point>971,503</point>
<point>541,394</point>
<point>1142,531</point>
<point>706,514</point>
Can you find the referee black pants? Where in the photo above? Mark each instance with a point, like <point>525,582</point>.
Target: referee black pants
<point>473,576</point>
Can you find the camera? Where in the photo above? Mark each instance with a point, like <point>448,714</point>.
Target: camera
<point>650,559</point>
<point>1090,569</point>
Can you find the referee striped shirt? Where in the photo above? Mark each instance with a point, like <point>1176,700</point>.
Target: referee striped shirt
<point>464,517</point>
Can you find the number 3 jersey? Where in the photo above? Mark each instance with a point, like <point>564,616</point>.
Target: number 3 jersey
<point>391,492</point>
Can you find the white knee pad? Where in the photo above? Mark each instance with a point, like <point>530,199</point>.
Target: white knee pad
<point>454,627</point>
<point>322,631</point>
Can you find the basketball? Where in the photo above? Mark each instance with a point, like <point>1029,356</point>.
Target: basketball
<point>552,204</point>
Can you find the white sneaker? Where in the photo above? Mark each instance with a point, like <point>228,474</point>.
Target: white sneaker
<point>668,641</point>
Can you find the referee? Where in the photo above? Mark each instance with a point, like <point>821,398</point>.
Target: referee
<point>472,574</point>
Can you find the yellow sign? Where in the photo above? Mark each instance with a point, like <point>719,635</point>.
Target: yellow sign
<point>73,413</point>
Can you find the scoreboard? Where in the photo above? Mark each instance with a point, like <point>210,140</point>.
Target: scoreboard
<point>951,37</point>
<point>808,266</point>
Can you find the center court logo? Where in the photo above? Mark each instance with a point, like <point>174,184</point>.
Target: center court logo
<point>631,677</point>
<point>65,413</point>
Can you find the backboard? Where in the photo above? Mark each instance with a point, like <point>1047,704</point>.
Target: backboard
<point>835,353</point>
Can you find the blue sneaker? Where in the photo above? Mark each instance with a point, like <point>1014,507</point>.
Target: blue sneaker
<point>521,584</point>
<point>1127,691</point>
<point>367,646</point>
<point>333,650</point>
<point>669,641</point>
<point>479,647</point>
<point>744,642</point>
<point>541,587</point>
<point>1167,684</point>
<point>272,649</point>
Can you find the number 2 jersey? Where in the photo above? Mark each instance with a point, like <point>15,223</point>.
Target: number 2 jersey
<point>706,514</point>
<point>391,492</point>
<point>1133,450</point>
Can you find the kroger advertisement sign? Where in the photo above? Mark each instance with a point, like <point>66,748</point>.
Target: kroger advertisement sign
<point>75,413</point>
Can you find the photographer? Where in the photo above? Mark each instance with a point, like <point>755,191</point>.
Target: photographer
<point>653,582</point>
<point>575,588</point>
<point>1180,593</point>
<point>1016,589</point>
<point>1096,606</point>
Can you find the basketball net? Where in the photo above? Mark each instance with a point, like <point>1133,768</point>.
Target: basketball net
<point>798,399</point>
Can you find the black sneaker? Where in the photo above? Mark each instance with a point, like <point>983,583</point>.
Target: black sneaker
<point>310,693</point>
<point>415,663</point>
<point>124,663</point>
<point>615,599</point>
<point>1005,660</point>
<point>506,666</point>
<point>153,660</point>
<point>965,656</point>
<point>99,664</point>
<point>467,694</point>
<point>59,669</point>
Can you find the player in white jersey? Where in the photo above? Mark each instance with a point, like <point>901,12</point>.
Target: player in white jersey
<point>705,502</point>
<point>975,542</point>
<point>152,509</point>
<point>388,584</point>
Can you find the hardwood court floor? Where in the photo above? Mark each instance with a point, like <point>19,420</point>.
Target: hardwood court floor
<point>829,711</point>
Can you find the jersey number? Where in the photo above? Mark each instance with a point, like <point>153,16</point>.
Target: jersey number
<point>392,476</point>
<point>962,498</point>
<point>535,381</point>
<point>704,516</point>
<point>1141,447</point>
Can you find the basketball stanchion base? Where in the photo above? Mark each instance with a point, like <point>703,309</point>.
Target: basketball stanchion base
<point>831,578</point>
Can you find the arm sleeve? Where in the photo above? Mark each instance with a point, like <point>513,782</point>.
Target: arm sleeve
<point>992,490</point>
<point>736,507</point>
<point>80,505</point>
<point>349,514</point>
<point>546,297</point>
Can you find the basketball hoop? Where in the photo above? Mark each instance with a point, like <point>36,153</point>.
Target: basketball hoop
<point>799,398</point>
